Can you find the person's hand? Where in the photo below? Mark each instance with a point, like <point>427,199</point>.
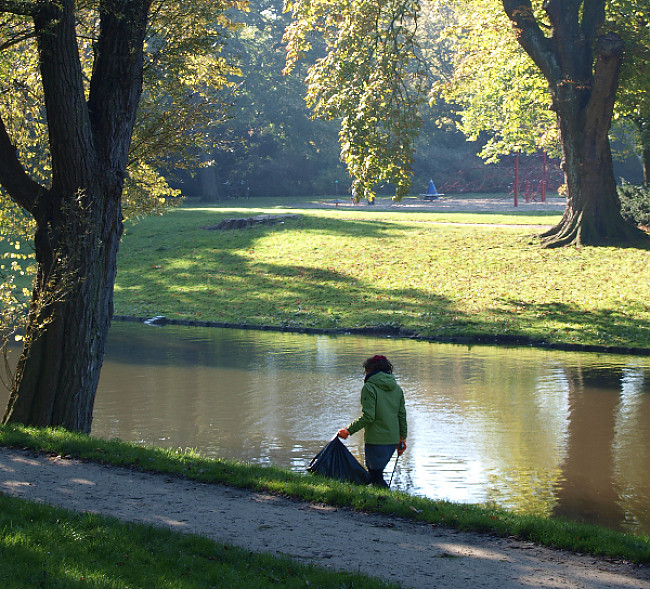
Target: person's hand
<point>401,446</point>
<point>343,433</point>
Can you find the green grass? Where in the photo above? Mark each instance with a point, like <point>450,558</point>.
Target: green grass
<point>43,546</point>
<point>486,519</point>
<point>445,276</point>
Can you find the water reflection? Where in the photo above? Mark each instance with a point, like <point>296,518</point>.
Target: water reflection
<point>538,431</point>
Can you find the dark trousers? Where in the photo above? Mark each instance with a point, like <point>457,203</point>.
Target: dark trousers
<point>377,457</point>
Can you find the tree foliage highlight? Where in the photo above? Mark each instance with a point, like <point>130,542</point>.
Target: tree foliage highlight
<point>369,79</point>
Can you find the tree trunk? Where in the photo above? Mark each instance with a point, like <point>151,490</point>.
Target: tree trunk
<point>584,109</point>
<point>209,181</point>
<point>644,134</point>
<point>593,212</point>
<point>71,309</point>
<point>582,69</point>
<point>78,218</point>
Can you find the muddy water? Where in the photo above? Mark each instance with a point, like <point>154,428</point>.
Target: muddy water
<point>538,431</point>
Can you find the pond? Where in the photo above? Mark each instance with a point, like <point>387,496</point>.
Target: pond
<point>547,432</point>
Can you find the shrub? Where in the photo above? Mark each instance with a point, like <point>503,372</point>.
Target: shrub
<point>635,203</point>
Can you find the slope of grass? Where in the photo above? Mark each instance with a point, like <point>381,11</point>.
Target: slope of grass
<point>438,275</point>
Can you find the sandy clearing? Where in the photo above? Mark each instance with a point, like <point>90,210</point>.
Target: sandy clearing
<point>415,555</point>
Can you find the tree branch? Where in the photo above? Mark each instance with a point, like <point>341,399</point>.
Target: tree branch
<point>531,37</point>
<point>26,8</point>
<point>609,56</point>
<point>593,17</point>
<point>20,187</point>
<point>16,40</point>
<point>116,82</point>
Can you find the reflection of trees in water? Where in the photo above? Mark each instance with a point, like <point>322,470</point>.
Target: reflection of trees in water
<point>503,414</point>
<point>587,490</point>
<point>632,448</point>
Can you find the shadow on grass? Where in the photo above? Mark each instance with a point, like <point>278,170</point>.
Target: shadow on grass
<point>304,220</point>
<point>230,288</point>
<point>610,327</point>
<point>299,297</point>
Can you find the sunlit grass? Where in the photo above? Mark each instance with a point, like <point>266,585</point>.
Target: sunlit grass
<point>43,546</point>
<point>371,269</point>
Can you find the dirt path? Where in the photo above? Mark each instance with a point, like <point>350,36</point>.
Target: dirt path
<point>416,555</point>
<point>449,203</point>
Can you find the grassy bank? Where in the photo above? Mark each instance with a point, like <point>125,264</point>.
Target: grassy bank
<point>550,532</point>
<point>444,275</point>
<point>42,546</point>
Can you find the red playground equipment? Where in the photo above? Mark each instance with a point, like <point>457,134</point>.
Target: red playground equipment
<point>535,179</point>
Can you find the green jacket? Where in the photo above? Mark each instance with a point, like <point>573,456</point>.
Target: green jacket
<point>383,412</point>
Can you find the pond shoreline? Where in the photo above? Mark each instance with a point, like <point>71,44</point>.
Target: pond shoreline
<point>396,332</point>
<point>414,553</point>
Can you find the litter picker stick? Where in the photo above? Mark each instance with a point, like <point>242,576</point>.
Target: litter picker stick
<point>394,468</point>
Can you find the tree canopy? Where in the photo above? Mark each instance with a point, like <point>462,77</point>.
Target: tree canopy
<point>500,91</point>
<point>495,84</point>
<point>270,146</point>
<point>184,72</point>
<point>369,79</point>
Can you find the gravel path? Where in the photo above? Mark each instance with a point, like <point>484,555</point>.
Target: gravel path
<point>413,554</point>
<point>450,203</point>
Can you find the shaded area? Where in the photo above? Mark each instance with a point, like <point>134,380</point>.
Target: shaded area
<point>587,491</point>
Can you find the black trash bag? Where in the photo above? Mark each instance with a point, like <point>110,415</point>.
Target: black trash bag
<point>336,461</point>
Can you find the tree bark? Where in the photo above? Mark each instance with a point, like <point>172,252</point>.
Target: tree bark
<point>583,98</point>
<point>643,126</point>
<point>208,176</point>
<point>584,108</point>
<point>70,313</point>
<point>78,219</point>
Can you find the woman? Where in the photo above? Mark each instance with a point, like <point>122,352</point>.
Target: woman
<point>383,418</point>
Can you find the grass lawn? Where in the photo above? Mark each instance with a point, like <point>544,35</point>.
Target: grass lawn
<point>443,275</point>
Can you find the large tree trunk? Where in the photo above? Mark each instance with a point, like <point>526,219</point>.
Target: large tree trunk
<point>584,109</point>
<point>70,313</point>
<point>79,221</point>
<point>582,69</point>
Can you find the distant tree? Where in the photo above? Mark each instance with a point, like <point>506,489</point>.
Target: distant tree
<point>86,60</point>
<point>574,45</point>
<point>270,146</point>
<point>369,80</point>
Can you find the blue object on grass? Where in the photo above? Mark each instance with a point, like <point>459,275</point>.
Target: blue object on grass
<point>432,190</point>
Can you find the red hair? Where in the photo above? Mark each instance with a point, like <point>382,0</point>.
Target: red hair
<point>378,363</point>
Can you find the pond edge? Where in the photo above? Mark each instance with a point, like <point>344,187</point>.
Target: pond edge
<point>396,332</point>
